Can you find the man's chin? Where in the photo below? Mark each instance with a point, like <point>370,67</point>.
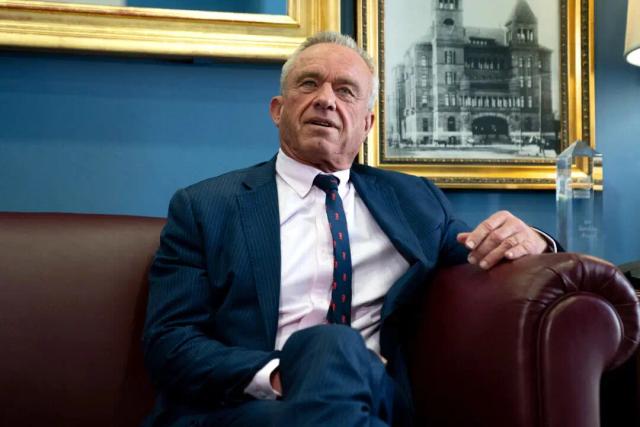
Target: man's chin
<point>324,154</point>
<point>337,162</point>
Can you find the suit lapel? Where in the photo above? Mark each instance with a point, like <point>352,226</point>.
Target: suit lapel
<point>258,207</point>
<point>383,204</point>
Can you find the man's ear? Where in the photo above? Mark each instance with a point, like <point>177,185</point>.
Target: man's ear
<point>369,121</point>
<point>275,109</point>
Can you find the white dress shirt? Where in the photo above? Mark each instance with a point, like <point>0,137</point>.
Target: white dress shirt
<point>307,261</point>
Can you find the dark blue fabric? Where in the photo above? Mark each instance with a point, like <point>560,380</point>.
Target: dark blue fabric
<point>214,286</point>
<point>340,307</point>
<point>329,378</point>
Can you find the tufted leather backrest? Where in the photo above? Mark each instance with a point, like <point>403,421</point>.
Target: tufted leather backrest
<point>73,291</point>
<point>523,344</point>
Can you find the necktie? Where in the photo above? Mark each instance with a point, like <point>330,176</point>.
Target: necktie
<point>340,307</point>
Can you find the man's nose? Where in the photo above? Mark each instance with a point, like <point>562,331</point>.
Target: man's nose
<point>325,97</point>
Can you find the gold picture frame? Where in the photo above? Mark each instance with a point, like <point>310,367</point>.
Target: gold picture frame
<point>576,98</point>
<point>164,32</point>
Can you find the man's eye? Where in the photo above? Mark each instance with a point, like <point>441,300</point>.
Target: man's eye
<point>345,91</point>
<point>308,83</point>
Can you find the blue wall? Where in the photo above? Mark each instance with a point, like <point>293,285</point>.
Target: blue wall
<point>84,134</point>
<point>120,135</point>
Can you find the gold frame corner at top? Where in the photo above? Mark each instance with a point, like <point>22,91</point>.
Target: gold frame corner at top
<point>163,32</point>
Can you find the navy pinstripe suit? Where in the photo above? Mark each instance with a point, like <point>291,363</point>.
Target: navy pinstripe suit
<point>215,282</point>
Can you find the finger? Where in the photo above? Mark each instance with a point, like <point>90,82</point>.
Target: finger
<point>516,252</point>
<point>462,237</point>
<point>483,229</point>
<point>496,238</point>
<point>526,247</point>
<point>497,254</point>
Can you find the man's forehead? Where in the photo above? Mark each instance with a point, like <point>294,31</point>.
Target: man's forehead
<point>339,54</point>
<point>323,57</point>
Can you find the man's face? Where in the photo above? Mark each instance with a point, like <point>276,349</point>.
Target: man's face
<point>323,114</point>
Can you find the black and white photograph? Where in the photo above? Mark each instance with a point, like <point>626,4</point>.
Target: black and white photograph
<point>470,79</point>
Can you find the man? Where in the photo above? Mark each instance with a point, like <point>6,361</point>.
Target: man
<point>281,294</point>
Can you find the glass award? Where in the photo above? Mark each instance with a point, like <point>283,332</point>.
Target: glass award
<point>579,199</point>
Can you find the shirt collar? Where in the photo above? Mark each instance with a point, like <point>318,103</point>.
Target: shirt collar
<point>300,176</point>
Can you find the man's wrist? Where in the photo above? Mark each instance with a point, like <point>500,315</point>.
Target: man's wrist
<point>276,384</point>
<point>260,386</point>
<point>551,244</point>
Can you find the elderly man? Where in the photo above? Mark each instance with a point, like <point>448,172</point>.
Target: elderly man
<point>281,293</point>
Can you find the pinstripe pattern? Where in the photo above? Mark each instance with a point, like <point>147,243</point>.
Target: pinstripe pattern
<point>214,285</point>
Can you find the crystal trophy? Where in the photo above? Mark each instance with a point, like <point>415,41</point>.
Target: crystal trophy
<point>579,199</point>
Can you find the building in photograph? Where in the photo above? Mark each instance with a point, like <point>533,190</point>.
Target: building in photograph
<point>459,86</point>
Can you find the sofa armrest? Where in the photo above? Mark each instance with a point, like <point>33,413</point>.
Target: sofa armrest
<point>524,343</point>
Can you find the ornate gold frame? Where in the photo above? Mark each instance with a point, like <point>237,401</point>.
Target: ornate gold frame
<point>577,99</point>
<point>129,30</point>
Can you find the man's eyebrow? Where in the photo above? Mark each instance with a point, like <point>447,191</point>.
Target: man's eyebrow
<point>317,75</point>
<point>306,74</point>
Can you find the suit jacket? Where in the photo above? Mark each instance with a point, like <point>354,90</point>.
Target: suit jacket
<point>215,282</point>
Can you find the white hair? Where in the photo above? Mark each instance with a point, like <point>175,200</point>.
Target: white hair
<point>341,40</point>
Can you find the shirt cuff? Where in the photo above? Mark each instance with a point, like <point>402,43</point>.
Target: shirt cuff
<point>551,244</point>
<point>260,385</point>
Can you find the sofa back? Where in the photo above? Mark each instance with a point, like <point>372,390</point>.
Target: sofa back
<point>73,292</point>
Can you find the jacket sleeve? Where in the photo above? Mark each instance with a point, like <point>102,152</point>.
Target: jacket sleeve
<point>181,354</point>
<point>451,252</point>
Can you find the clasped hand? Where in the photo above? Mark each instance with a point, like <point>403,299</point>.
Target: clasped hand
<point>502,235</point>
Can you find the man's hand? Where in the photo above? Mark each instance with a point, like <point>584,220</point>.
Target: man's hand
<point>502,235</point>
<point>275,381</point>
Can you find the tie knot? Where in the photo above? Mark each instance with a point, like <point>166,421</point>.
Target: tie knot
<point>326,183</point>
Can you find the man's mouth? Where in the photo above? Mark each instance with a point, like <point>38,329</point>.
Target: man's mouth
<point>322,122</point>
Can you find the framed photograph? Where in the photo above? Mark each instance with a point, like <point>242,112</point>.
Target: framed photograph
<point>476,94</point>
<point>102,27</point>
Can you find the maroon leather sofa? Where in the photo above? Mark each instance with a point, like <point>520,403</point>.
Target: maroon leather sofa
<point>524,344</point>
